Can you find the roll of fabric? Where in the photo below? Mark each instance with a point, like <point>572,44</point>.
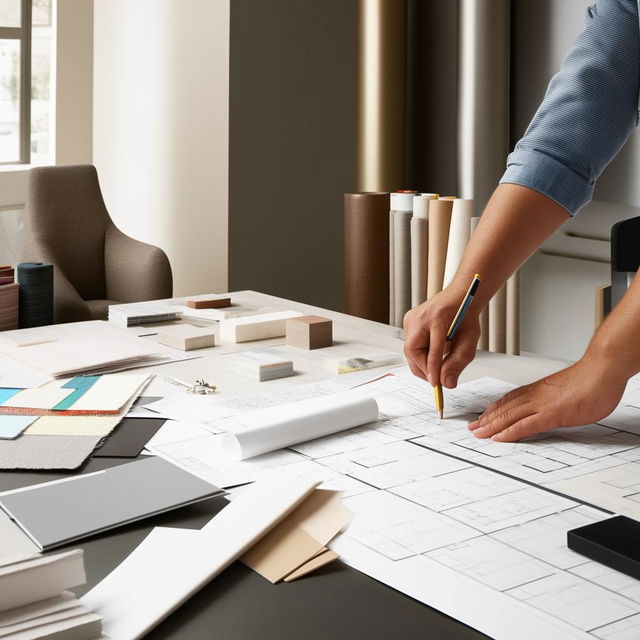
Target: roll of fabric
<point>513,315</point>
<point>366,226</point>
<point>459,234</point>
<point>420,247</point>
<point>439,223</point>
<point>483,343</point>
<point>36,294</point>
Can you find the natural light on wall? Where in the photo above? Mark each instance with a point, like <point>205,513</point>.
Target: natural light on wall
<point>16,41</point>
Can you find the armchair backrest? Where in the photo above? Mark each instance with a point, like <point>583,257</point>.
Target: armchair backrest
<point>65,223</point>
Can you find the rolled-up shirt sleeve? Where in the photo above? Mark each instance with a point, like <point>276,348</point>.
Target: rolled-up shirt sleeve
<point>589,110</point>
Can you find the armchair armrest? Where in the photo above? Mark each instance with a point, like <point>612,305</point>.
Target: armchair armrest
<point>135,270</point>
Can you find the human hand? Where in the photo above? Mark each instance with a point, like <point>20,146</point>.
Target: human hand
<point>425,334</point>
<point>581,394</point>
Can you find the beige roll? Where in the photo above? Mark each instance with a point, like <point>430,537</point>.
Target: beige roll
<point>439,222</point>
<point>420,247</point>
<point>498,321</point>
<point>483,343</point>
<point>459,234</point>
<point>402,264</point>
<point>513,315</point>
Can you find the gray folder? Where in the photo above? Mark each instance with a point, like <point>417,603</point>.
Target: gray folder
<point>56,513</point>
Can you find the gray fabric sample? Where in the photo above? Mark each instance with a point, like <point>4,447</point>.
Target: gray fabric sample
<point>46,452</point>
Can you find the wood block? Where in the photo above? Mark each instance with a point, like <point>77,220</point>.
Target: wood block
<point>309,332</point>
<point>187,337</point>
<point>208,302</point>
<point>259,327</point>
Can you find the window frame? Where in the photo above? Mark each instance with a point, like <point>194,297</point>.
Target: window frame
<point>23,35</point>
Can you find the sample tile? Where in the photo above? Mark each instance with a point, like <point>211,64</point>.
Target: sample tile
<point>130,438</point>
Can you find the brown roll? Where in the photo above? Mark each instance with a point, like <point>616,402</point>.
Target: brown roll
<point>439,222</point>
<point>366,237</point>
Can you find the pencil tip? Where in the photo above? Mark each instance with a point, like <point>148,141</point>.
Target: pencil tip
<point>441,412</point>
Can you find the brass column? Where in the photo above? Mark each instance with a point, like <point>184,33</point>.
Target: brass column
<point>382,82</point>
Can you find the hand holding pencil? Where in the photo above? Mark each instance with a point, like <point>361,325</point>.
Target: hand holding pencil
<point>430,329</point>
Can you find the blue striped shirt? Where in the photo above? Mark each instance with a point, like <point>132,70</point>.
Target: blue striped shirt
<point>589,110</point>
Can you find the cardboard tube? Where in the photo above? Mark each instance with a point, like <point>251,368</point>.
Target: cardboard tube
<point>498,321</point>
<point>439,222</point>
<point>366,235</point>
<point>483,343</point>
<point>420,247</point>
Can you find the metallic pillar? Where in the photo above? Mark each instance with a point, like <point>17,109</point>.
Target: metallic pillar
<point>382,81</point>
<point>483,95</point>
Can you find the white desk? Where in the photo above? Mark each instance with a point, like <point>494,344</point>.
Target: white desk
<point>335,602</point>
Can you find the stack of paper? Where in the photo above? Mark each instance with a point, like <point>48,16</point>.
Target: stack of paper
<point>129,315</point>
<point>261,365</point>
<point>34,604</point>
<point>297,546</point>
<point>77,348</point>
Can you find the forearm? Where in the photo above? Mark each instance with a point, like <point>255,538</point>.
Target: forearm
<point>515,222</point>
<point>615,347</point>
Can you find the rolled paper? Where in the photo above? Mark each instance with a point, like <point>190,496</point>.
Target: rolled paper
<point>366,227</point>
<point>36,294</point>
<point>513,315</point>
<point>439,222</point>
<point>400,255</point>
<point>498,321</point>
<point>459,234</point>
<point>483,343</point>
<point>420,247</point>
<point>253,433</point>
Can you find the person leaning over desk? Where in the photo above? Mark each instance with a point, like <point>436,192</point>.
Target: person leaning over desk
<point>589,111</point>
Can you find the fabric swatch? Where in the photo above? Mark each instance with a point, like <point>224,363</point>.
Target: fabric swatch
<point>72,425</point>
<point>46,452</point>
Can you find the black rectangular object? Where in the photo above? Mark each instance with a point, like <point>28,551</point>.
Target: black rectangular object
<point>614,542</point>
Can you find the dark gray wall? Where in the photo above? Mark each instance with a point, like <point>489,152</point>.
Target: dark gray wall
<point>291,145</point>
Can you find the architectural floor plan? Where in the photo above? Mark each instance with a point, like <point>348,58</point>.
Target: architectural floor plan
<point>472,527</point>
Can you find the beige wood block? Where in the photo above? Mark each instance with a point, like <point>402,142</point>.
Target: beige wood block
<point>208,302</point>
<point>309,332</point>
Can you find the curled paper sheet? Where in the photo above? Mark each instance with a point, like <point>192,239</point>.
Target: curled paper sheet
<point>459,233</point>
<point>256,432</point>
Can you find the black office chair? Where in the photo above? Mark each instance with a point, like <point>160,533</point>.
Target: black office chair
<point>625,256</point>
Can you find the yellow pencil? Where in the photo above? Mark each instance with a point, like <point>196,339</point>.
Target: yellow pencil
<point>455,324</point>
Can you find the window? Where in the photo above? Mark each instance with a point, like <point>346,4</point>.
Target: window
<point>25,74</point>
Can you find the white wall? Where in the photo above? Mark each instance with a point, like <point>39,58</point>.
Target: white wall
<point>160,129</point>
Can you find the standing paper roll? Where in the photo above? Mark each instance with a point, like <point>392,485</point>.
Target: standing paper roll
<point>513,315</point>
<point>459,234</point>
<point>439,222</point>
<point>483,343</point>
<point>400,255</point>
<point>36,294</point>
<point>253,433</point>
<point>392,278</point>
<point>420,247</point>
<point>498,321</point>
<point>366,235</point>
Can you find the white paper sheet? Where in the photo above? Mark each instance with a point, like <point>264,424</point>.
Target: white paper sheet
<point>459,234</point>
<point>256,432</point>
<point>170,565</point>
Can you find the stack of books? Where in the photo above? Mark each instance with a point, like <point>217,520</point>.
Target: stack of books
<point>261,365</point>
<point>9,299</point>
<point>135,313</point>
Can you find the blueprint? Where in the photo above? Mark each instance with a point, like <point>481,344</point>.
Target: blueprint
<point>472,527</point>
